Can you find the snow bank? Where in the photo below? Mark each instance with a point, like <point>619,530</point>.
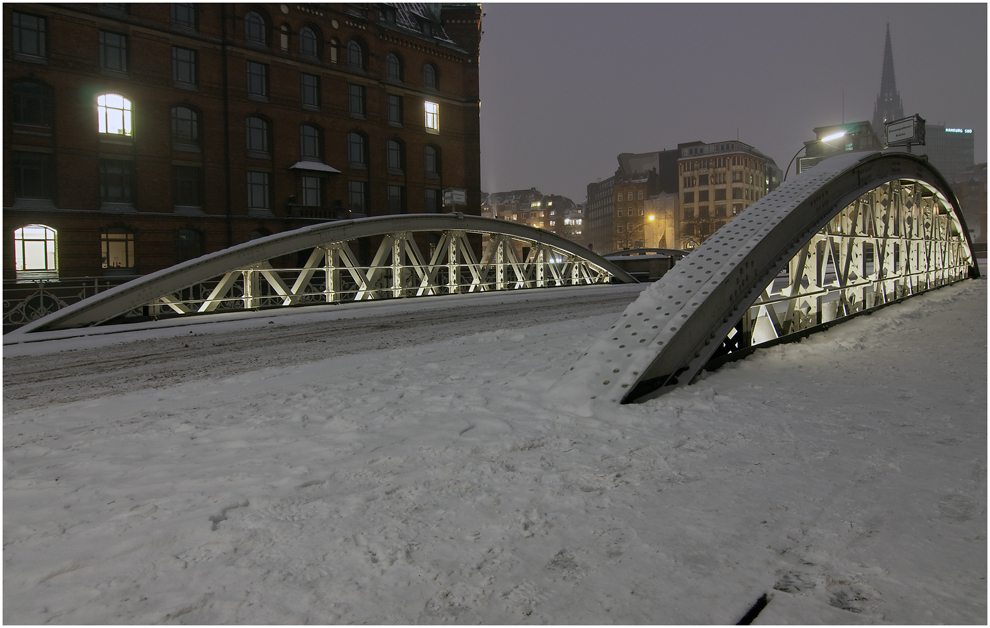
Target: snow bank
<point>844,475</point>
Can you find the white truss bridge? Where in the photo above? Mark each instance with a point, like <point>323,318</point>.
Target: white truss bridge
<point>856,232</point>
<point>261,273</point>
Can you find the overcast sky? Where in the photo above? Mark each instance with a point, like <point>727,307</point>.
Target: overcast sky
<point>567,87</point>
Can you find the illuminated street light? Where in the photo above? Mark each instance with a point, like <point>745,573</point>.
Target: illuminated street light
<point>824,140</point>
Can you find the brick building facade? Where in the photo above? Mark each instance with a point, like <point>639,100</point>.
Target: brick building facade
<point>140,135</point>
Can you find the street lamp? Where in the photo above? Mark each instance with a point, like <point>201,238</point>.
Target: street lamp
<point>824,140</point>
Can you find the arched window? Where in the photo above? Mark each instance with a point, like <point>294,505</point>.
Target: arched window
<point>114,113</point>
<point>432,159</point>
<point>357,153</point>
<point>334,50</point>
<point>355,55</point>
<point>32,103</point>
<point>254,28</point>
<point>185,128</point>
<point>393,67</point>
<point>310,142</point>
<point>395,153</point>
<point>35,249</point>
<point>256,133</point>
<point>260,232</point>
<point>188,244</point>
<point>118,248</point>
<point>308,43</point>
<point>431,78</point>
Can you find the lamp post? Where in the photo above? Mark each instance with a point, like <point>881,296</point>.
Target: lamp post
<point>824,140</point>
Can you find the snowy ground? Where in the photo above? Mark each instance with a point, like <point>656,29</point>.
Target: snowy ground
<point>402,464</point>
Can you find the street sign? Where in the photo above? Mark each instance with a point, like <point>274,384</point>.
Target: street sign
<point>455,196</point>
<point>906,131</point>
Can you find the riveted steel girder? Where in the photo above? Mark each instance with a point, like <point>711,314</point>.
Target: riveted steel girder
<point>855,232</point>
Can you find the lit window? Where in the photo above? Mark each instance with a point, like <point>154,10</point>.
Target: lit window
<point>114,114</point>
<point>334,48</point>
<point>35,249</point>
<point>432,117</point>
<point>113,51</point>
<point>308,43</point>
<point>29,35</point>
<point>118,248</point>
<point>254,28</point>
<point>310,90</point>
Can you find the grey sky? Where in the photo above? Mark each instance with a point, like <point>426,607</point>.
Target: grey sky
<point>567,87</point>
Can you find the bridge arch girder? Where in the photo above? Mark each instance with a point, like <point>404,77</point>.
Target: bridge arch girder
<point>667,336</point>
<point>399,268</point>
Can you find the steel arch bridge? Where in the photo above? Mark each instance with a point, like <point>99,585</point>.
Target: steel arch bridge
<point>513,256</point>
<point>856,232</point>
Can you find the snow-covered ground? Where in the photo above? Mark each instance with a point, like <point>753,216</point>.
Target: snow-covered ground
<point>401,463</point>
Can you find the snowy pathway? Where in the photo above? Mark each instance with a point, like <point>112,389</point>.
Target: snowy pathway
<point>427,479</point>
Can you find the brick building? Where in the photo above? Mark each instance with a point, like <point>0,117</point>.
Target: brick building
<point>140,135</point>
<point>551,212</point>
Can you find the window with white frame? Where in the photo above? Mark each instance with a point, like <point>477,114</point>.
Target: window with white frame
<point>35,249</point>
<point>432,117</point>
<point>114,113</point>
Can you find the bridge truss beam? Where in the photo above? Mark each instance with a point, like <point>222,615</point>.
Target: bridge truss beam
<point>250,276</point>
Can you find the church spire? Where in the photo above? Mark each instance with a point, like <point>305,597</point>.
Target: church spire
<point>888,106</point>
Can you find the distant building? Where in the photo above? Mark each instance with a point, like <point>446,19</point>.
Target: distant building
<point>661,221</point>
<point>950,149</point>
<point>970,188</point>
<point>631,193</point>
<point>599,216</point>
<point>550,212</point>
<point>718,181</point>
<point>888,106</point>
<point>856,136</point>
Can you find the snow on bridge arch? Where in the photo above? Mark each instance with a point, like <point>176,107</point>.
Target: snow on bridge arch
<point>856,232</point>
<point>242,277</point>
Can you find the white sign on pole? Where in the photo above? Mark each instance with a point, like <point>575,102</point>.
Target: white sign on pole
<point>455,196</point>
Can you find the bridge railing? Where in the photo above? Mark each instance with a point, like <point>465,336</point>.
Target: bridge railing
<point>26,301</point>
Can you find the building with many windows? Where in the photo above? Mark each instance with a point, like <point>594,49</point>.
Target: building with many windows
<point>950,149</point>
<point>719,181</point>
<point>141,135</point>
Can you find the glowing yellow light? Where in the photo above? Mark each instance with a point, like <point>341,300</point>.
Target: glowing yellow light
<point>834,136</point>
